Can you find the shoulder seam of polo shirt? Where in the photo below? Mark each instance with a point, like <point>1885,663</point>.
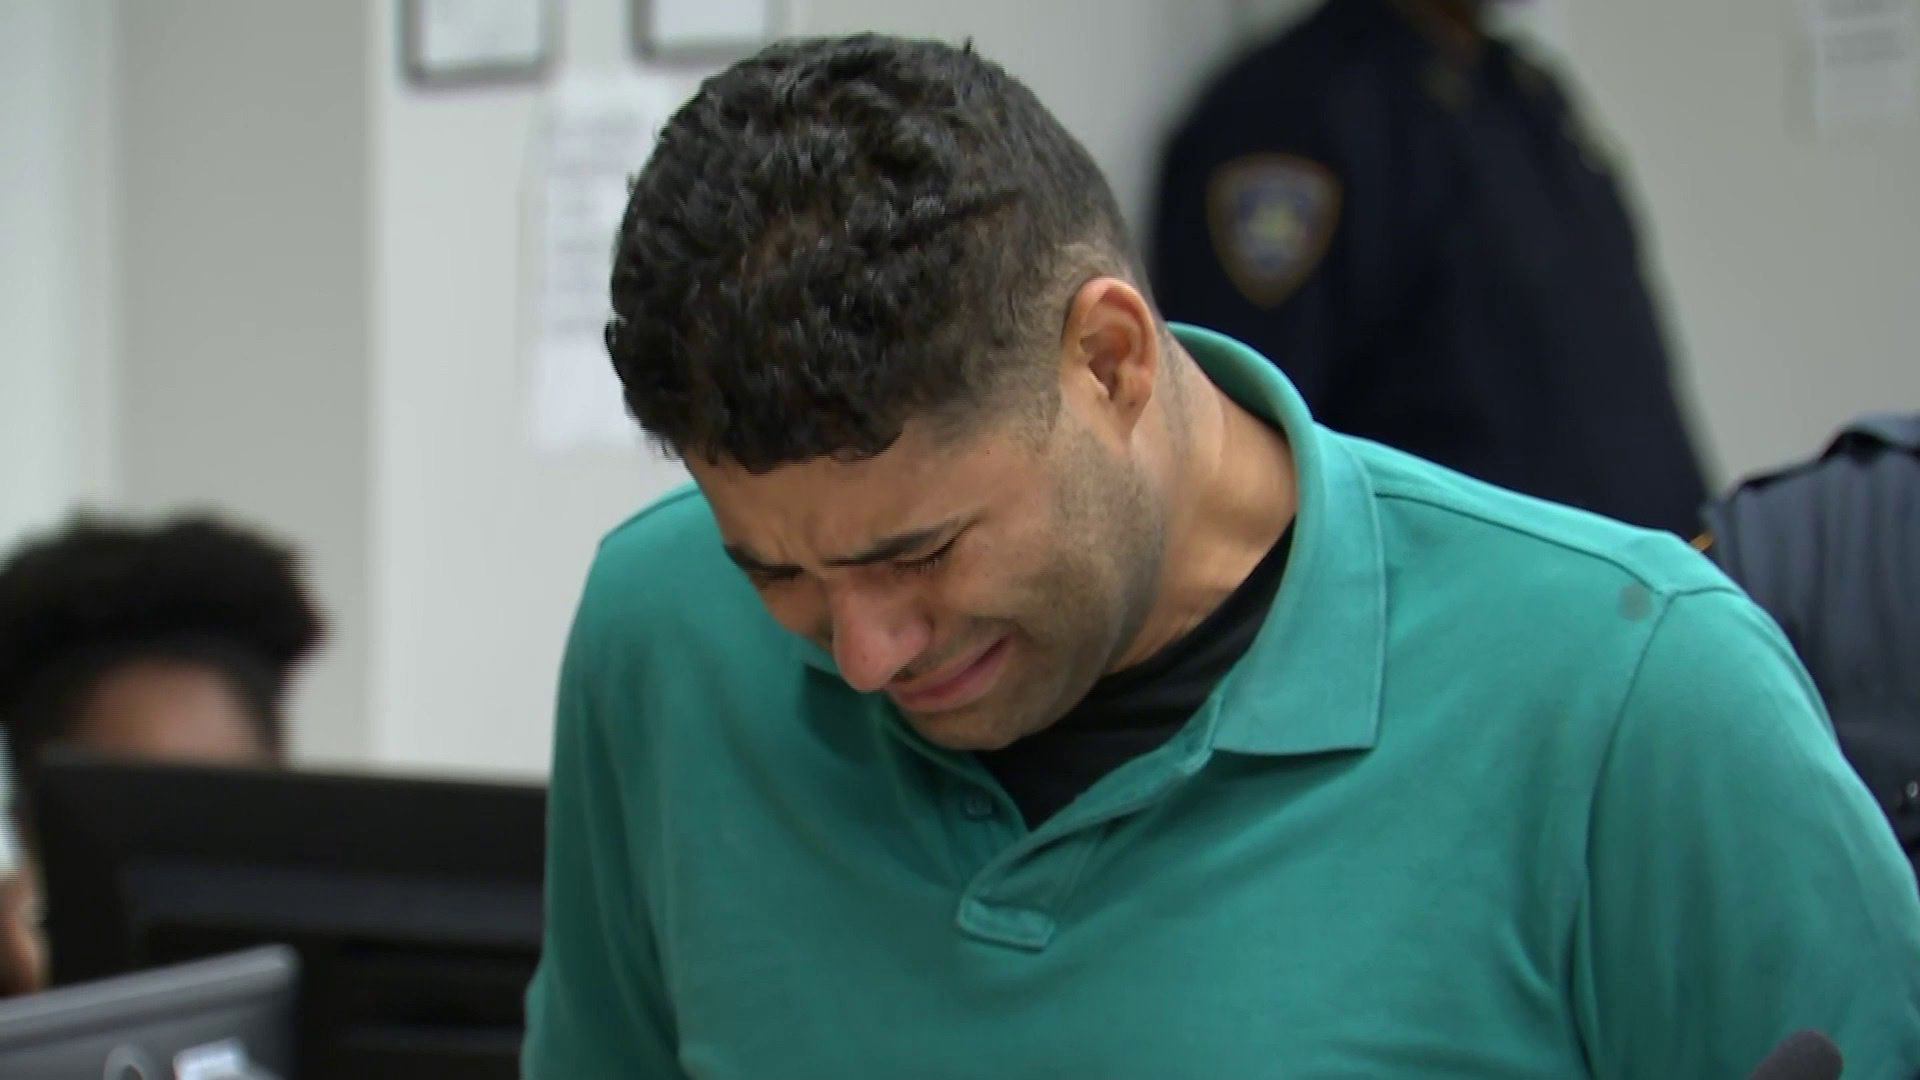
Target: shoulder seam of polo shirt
<point>1652,575</point>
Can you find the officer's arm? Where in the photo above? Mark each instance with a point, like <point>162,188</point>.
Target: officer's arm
<point>596,1010</point>
<point>1742,884</point>
<point>1246,243</point>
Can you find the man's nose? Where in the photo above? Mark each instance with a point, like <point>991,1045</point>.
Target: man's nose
<point>875,636</point>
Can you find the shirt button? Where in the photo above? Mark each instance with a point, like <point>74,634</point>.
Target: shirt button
<point>977,805</point>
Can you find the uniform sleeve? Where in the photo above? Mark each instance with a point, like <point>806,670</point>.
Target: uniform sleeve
<point>1246,241</point>
<point>1742,885</point>
<point>596,1009</point>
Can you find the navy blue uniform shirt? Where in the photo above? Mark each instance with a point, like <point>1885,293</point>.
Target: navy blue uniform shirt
<point>1433,249</point>
<point>1831,548</point>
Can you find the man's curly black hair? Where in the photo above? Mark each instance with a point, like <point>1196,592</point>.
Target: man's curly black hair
<point>102,592</point>
<point>837,236</point>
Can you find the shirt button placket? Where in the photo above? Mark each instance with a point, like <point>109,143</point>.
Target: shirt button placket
<point>977,805</point>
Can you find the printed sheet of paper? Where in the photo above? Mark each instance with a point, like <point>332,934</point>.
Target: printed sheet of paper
<point>1866,62</point>
<point>594,134</point>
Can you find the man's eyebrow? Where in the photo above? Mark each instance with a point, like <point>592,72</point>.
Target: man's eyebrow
<point>884,550</point>
<point>745,561</point>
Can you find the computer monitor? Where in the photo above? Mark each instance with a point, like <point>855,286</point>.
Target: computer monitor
<point>414,904</point>
<point>229,1018</point>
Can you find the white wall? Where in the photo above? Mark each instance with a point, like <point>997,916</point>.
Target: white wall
<point>244,196</point>
<point>57,297</point>
<point>482,543</point>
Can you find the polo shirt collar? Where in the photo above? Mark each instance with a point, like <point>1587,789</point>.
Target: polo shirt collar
<point>1311,681</point>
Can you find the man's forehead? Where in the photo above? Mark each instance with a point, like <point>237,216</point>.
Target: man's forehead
<point>915,484</point>
<point>923,453</point>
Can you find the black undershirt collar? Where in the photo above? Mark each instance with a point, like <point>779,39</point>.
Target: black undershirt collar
<point>1133,712</point>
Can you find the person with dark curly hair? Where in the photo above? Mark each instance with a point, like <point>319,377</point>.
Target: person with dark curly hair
<point>1029,687</point>
<point>171,642</point>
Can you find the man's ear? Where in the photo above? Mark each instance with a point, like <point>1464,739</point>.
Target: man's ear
<point>1110,352</point>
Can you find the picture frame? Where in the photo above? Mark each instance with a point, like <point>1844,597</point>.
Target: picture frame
<point>703,31</point>
<point>464,43</point>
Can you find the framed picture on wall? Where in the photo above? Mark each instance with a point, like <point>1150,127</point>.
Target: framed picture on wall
<point>672,31</point>
<point>470,42</point>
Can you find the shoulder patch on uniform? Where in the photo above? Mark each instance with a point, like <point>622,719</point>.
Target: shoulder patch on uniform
<point>1271,216</point>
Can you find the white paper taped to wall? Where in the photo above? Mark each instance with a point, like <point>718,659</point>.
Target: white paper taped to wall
<point>594,134</point>
<point>1866,61</point>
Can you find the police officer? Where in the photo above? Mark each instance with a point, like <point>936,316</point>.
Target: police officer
<point>1407,215</point>
<point>1831,548</point>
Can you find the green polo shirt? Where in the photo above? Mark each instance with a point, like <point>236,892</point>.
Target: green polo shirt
<point>1501,789</point>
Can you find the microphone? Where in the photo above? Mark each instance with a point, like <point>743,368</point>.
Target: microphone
<point>1803,1055</point>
